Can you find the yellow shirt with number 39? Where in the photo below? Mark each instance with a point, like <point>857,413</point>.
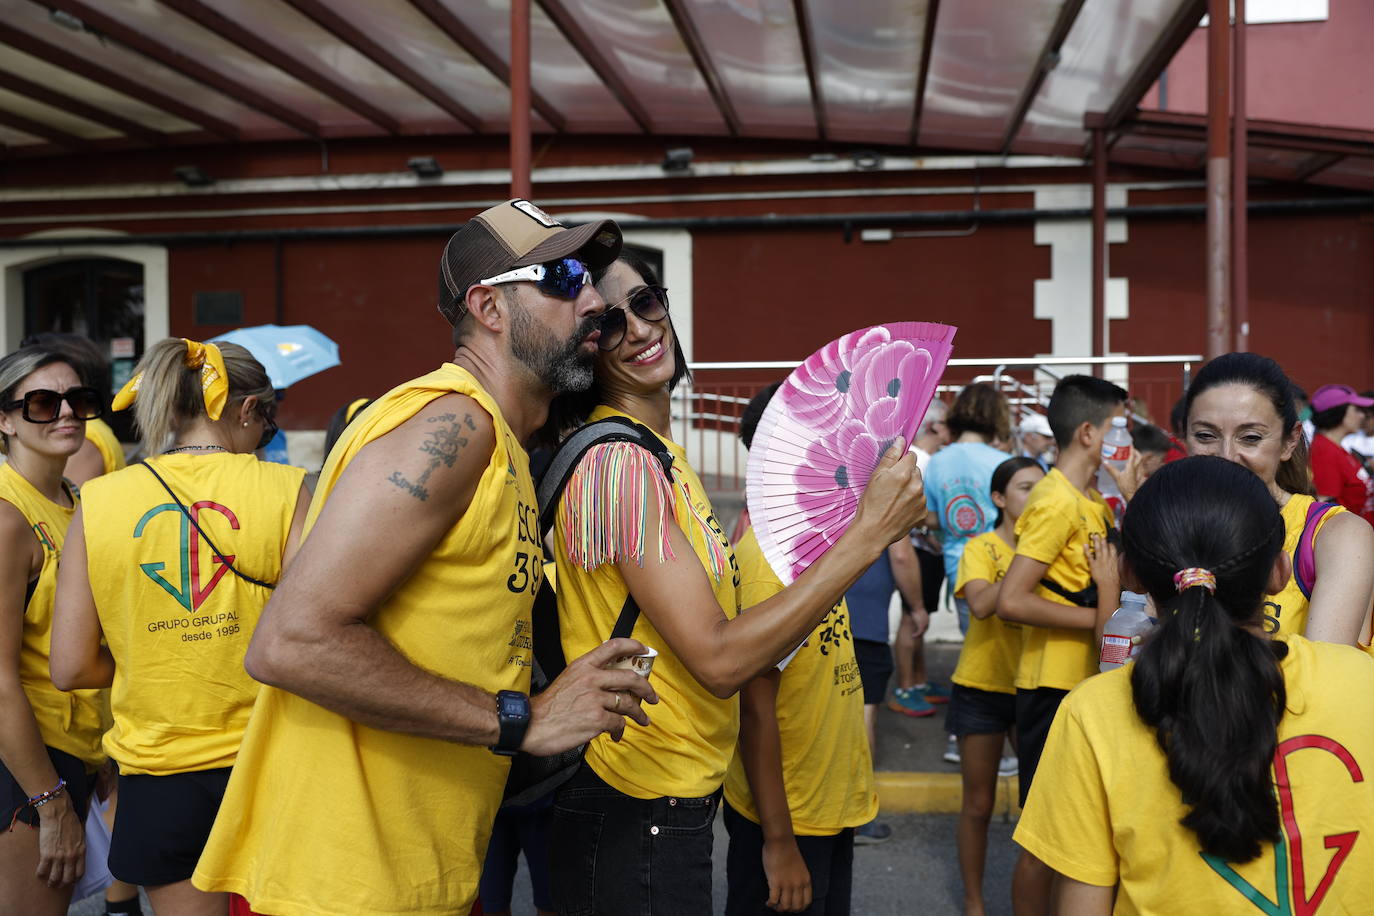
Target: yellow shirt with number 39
<point>327,816</point>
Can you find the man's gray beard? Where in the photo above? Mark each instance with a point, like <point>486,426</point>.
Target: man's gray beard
<point>559,366</point>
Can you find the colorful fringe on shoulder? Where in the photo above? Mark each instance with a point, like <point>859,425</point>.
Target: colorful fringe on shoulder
<point>607,503</point>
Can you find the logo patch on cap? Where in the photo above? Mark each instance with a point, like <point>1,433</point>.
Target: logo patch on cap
<point>536,214</point>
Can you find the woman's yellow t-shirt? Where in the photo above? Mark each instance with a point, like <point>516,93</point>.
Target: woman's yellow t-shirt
<point>176,620</point>
<point>686,750</point>
<point>1290,606</point>
<point>1053,529</point>
<point>826,767</point>
<point>992,646</point>
<point>1103,810</point>
<point>70,721</point>
<point>106,443</point>
<point>324,815</point>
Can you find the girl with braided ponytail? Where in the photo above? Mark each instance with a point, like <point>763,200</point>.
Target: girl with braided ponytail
<point>1188,780</point>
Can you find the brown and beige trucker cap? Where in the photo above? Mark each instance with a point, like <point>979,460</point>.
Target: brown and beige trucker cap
<point>515,234</point>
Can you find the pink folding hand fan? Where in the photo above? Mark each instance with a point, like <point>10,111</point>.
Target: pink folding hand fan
<point>824,432</point>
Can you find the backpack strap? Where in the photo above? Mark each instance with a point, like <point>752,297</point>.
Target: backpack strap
<point>1304,555</point>
<point>549,660</point>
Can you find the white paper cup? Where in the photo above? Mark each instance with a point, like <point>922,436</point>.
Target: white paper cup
<point>639,664</point>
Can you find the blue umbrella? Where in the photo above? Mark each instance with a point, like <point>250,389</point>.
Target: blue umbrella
<point>289,353</point>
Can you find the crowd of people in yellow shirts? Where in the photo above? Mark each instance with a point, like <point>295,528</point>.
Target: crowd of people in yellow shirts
<point>313,700</point>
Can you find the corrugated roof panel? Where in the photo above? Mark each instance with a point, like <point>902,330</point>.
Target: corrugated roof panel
<point>869,62</point>
<point>756,49</point>
<point>409,34</point>
<point>93,93</point>
<point>11,137</point>
<point>984,55</point>
<point>319,49</point>
<point>54,117</point>
<point>34,20</point>
<point>557,72</point>
<point>640,41</point>
<point>1109,41</point>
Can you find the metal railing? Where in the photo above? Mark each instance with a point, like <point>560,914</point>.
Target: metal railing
<point>706,413</point>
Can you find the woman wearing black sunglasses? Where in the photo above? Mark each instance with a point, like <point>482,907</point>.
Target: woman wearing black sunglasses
<point>49,740</point>
<point>633,828</point>
<point>170,563</point>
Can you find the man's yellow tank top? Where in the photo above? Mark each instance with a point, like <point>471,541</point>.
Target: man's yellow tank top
<point>827,771</point>
<point>105,442</point>
<point>324,815</point>
<point>68,721</point>
<point>176,620</point>
<point>1290,606</point>
<point>685,751</point>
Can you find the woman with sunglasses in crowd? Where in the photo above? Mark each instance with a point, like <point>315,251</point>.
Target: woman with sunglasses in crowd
<point>633,828</point>
<point>50,740</point>
<point>1225,769</point>
<point>169,565</point>
<point>1240,407</point>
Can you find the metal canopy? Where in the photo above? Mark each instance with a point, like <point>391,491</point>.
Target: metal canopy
<point>969,75</point>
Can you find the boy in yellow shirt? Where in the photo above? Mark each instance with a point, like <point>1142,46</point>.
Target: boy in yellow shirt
<point>1049,587</point>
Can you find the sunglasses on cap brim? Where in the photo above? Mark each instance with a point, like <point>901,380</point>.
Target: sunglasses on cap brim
<point>648,302</point>
<point>42,405</point>
<point>563,278</point>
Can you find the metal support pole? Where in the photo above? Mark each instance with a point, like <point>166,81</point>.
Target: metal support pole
<point>1099,316</point>
<point>1240,279</point>
<point>520,98</point>
<point>1218,178</point>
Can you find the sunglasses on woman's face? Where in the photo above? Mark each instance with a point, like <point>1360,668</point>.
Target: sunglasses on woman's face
<point>648,302</point>
<point>42,405</point>
<point>269,427</point>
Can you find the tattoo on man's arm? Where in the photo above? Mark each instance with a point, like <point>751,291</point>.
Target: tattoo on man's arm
<point>442,444</point>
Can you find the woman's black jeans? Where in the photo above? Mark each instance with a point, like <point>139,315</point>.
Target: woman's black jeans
<point>614,855</point>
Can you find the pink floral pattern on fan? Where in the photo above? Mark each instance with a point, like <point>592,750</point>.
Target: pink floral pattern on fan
<point>816,391</point>
<point>825,491</point>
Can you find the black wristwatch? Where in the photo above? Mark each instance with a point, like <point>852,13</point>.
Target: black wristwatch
<point>513,710</point>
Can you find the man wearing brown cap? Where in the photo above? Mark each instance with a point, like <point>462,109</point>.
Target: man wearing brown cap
<point>398,645</point>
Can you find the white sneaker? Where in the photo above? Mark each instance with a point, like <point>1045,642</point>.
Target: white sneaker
<point>1008,767</point>
<point>952,751</point>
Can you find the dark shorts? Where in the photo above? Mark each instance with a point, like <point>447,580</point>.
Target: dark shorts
<point>1035,711</point>
<point>162,823</point>
<point>875,669</point>
<point>932,578</point>
<point>523,828</point>
<point>614,855</point>
<point>829,859</point>
<point>979,712</point>
<point>14,799</point>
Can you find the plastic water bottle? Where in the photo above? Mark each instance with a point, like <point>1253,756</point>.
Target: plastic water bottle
<point>1116,445</point>
<point>1124,632</point>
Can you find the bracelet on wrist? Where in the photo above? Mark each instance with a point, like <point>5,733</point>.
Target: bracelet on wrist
<point>42,798</point>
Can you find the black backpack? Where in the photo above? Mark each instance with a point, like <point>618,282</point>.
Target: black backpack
<point>533,777</point>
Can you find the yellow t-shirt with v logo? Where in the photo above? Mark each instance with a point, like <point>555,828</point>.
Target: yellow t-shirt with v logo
<point>175,618</point>
<point>324,815</point>
<point>1290,606</point>
<point>68,721</point>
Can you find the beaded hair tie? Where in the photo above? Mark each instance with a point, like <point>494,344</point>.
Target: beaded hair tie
<point>1185,579</point>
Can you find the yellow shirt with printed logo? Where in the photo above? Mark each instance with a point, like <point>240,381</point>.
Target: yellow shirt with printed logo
<point>826,767</point>
<point>106,443</point>
<point>992,646</point>
<point>686,750</point>
<point>1054,528</point>
<point>176,620</point>
<point>324,815</point>
<point>1290,606</point>
<point>1103,810</point>
<point>70,721</point>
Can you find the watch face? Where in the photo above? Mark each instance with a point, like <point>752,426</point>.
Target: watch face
<point>513,705</point>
